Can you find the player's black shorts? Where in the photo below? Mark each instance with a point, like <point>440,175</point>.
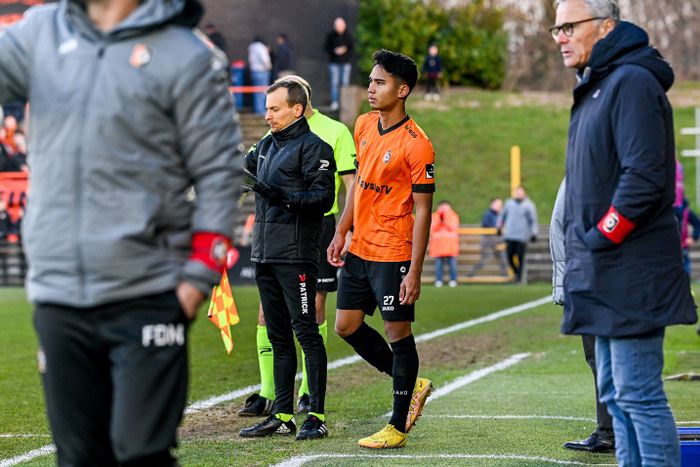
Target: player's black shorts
<point>327,280</point>
<point>364,285</point>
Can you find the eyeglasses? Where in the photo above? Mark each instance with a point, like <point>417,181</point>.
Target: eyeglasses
<point>568,28</point>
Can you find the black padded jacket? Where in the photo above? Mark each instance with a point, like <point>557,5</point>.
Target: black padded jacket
<point>299,163</point>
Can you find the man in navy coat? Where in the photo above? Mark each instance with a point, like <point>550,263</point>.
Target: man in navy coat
<point>624,279</point>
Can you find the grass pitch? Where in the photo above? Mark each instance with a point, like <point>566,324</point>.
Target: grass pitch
<point>517,416</point>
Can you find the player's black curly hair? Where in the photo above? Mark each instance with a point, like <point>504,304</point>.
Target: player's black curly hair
<point>398,65</point>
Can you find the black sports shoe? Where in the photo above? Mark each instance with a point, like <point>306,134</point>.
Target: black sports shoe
<point>312,428</point>
<point>256,406</point>
<point>594,443</point>
<point>268,427</point>
<point>304,405</point>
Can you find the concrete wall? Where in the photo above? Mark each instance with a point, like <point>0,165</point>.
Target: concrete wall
<point>305,22</point>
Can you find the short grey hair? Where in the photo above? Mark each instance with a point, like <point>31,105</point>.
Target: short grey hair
<point>600,8</point>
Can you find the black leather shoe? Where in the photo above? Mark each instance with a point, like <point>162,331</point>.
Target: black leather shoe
<point>256,406</point>
<point>270,426</point>
<point>594,443</point>
<point>313,428</point>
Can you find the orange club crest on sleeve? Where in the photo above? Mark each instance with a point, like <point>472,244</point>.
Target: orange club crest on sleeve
<point>140,56</point>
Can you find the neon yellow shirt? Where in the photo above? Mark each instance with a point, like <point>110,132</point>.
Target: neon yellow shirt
<point>337,136</point>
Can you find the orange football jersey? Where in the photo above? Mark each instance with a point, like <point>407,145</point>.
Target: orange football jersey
<point>392,164</point>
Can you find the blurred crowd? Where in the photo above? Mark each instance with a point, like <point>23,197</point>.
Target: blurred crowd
<point>13,158</point>
<point>13,145</point>
<point>269,60</point>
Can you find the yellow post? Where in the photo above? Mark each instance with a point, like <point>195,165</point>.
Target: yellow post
<point>514,169</point>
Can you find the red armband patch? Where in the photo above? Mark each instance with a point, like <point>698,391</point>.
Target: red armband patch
<point>210,249</point>
<point>615,226</point>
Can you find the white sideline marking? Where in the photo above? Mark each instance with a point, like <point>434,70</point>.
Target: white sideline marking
<point>42,451</point>
<point>301,460</point>
<point>23,435</point>
<point>216,400</point>
<point>211,402</point>
<point>484,319</point>
<point>478,374</point>
<point>474,376</point>
<point>517,417</point>
<point>539,417</point>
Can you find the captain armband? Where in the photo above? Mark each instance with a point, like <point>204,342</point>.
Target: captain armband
<point>210,249</point>
<point>615,226</point>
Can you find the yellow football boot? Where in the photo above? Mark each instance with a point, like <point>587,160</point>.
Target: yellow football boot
<point>421,391</point>
<point>387,438</point>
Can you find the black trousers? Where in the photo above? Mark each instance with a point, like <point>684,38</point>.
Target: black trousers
<point>115,379</point>
<point>431,85</point>
<point>516,257</point>
<point>288,294</point>
<point>603,418</point>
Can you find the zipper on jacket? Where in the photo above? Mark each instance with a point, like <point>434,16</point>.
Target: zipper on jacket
<point>264,203</point>
<point>79,185</point>
<point>263,230</point>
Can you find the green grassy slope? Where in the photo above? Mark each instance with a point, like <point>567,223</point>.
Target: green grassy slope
<point>473,131</point>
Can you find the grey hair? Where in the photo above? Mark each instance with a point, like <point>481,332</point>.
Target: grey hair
<point>601,8</point>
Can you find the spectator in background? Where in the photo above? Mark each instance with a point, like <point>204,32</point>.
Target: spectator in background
<point>16,229</point>
<point>686,216</point>
<point>8,137</point>
<point>432,68</point>
<point>6,164</point>
<point>444,241</point>
<point>13,156</point>
<point>6,226</point>
<point>284,60</point>
<point>518,222</point>
<point>216,37</point>
<point>339,46</point>
<point>260,66</point>
<point>603,438</point>
<point>490,243</point>
<point>15,108</point>
<point>20,157</point>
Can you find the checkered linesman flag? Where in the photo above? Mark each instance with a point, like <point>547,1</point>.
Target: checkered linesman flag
<point>222,310</point>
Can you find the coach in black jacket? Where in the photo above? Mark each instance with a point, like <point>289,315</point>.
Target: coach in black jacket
<point>293,171</point>
<point>624,277</point>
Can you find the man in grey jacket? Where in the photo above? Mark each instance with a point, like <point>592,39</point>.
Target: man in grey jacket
<point>603,438</point>
<point>518,222</point>
<point>129,109</point>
